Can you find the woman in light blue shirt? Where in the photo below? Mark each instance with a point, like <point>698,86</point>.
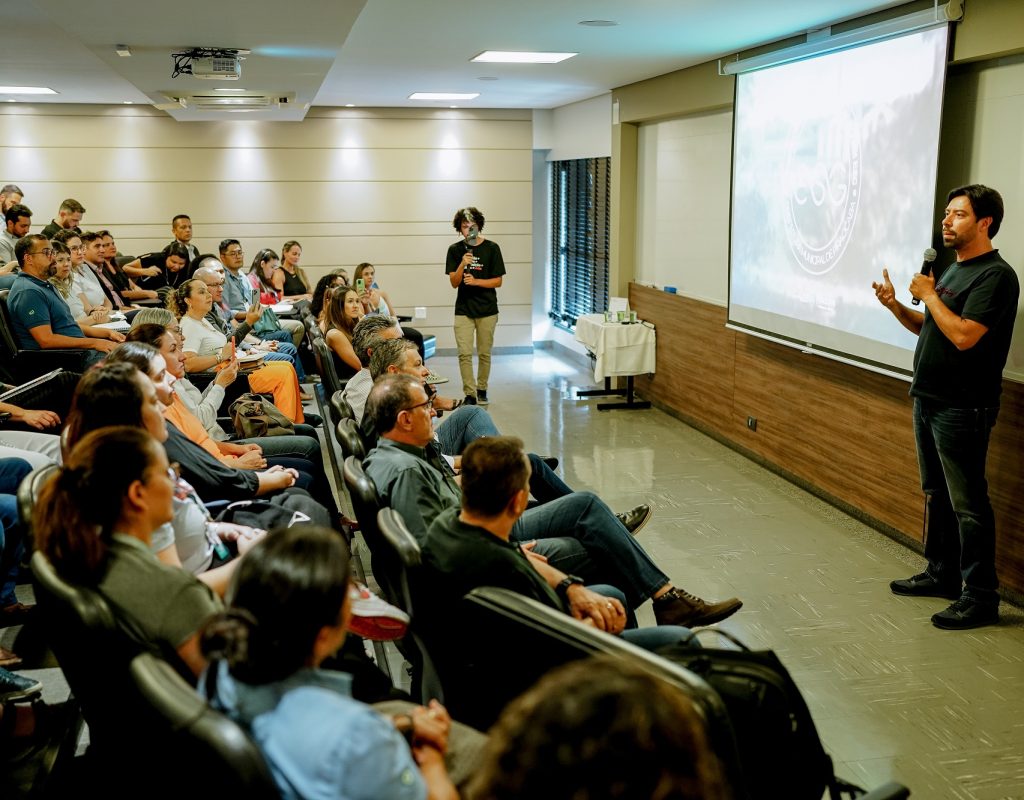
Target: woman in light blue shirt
<point>289,609</point>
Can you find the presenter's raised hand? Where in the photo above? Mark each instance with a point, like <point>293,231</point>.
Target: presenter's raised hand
<point>884,291</point>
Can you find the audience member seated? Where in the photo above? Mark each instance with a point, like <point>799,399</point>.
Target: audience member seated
<point>205,405</point>
<point>162,270</point>
<point>289,609</point>
<point>12,472</point>
<point>342,312</point>
<point>94,522</point>
<point>420,490</point>
<point>369,331</point>
<point>329,281</point>
<point>599,729</point>
<point>241,298</point>
<point>69,217</point>
<point>18,219</point>
<point>278,347</point>
<point>120,280</point>
<point>376,301</point>
<point>208,348</point>
<point>470,547</point>
<point>288,277</point>
<point>106,396</point>
<point>64,281</point>
<point>261,277</point>
<point>89,281</point>
<point>40,318</point>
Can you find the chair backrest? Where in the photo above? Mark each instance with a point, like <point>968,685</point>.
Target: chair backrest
<point>28,494</point>
<point>516,640</point>
<point>18,365</point>
<point>216,755</point>
<point>366,504</point>
<point>93,653</point>
<point>351,439</point>
<point>8,346</point>
<point>325,366</point>
<point>403,559</point>
<point>341,406</point>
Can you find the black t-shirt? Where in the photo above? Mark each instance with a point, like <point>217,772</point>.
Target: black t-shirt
<point>166,278</point>
<point>475,301</point>
<point>984,289</point>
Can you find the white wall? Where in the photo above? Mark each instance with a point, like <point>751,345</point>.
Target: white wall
<point>352,185</point>
<point>683,187</point>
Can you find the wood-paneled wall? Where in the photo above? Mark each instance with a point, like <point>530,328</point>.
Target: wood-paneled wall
<point>843,431</point>
<point>352,185</point>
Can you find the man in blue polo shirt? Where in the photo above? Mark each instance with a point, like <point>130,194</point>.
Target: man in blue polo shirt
<point>41,319</point>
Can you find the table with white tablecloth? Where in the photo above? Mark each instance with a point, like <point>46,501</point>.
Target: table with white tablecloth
<point>620,350</point>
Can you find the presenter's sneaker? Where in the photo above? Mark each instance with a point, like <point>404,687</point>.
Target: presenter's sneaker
<point>924,585</point>
<point>677,607</point>
<point>17,687</point>
<point>965,613</point>
<point>374,618</point>
<point>636,518</point>
<point>481,397</point>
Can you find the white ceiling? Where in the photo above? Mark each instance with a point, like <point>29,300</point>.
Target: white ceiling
<point>377,52</point>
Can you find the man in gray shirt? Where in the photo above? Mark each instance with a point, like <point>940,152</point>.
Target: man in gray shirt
<point>18,218</point>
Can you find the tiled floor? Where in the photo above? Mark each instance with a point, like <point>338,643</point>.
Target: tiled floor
<point>893,697</point>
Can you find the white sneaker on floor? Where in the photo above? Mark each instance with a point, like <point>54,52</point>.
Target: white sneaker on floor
<point>374,618</point>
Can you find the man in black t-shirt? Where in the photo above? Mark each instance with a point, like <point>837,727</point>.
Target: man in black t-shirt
<point>963,339</point>
<point>475,268</point>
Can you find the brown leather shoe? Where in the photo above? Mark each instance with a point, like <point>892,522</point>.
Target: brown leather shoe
<point>677,607</point>
<point>8,659</point>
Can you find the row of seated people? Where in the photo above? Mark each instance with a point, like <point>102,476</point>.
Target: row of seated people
<point>268,653</point>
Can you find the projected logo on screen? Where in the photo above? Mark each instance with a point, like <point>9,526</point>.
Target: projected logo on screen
<point>822,183</point>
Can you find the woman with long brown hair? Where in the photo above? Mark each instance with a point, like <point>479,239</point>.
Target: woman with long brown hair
<point>342,312</point>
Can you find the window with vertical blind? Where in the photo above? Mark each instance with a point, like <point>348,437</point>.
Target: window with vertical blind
<point>580,226</point>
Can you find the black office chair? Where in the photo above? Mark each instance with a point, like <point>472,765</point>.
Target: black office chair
<point>217,756</point>
<point>19,366</point>
<point>341,407</point>
<point>28,494</point>
<point>403,559</point>
<point>351,439</point>
<point>366,504</point>
<point>51,391</point>
<point>325,366</point>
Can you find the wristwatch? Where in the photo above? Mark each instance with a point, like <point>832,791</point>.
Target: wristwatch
<point>562,589</point>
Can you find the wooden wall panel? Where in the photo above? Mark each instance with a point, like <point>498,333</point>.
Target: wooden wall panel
<point>844,431</point>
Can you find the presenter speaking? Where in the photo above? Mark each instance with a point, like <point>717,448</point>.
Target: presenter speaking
<point>475,268</point>
<point>963,339</point>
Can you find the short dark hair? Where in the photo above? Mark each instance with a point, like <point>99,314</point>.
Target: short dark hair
<point>367,331</point>
<point>24,244</point>
<point>388,353</point>
<point>985,202</point>
<point>390,395</point>
<point>175,249</point>
<point>465,213</point>
<point>89,236</point>
<point>222,248</point>
<point>59,247</point>
<point>494,468</point>
<point>64,234</point>
<point>174,221</point>
<point>71,205</point>
<point>16,211</point>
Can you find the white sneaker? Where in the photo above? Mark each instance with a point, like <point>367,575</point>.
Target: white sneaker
<point>434,378</point>
<point>374,618</point>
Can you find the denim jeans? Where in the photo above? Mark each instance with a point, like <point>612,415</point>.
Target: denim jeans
<point>618,558</point>
<point>286,351</point>
<point>462,427</point>
<point>12,471</point>
<point>960,527</point>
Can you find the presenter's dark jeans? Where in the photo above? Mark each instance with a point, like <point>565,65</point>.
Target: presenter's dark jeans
<point>960,528</point>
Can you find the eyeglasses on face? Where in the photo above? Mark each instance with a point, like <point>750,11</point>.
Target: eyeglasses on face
<point>418,405</point>
<point>46,251</point>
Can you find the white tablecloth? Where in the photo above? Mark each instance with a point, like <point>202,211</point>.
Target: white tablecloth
<point>620,349</point>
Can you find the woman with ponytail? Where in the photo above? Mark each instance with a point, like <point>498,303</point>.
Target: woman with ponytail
<point>289,607</point>
<point>93,522</point>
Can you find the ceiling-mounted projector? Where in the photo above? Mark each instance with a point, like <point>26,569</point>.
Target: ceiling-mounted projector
<point>225,68</point>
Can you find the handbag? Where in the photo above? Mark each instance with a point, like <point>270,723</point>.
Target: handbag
<point>254,416</point>
<point>267,323</point>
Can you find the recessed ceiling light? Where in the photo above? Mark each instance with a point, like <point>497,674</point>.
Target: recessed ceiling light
<point>123,50</point>
<point>221,89</point>
<point>598,23</point>
<point>521,57</point>
<point>25,90</point>
<point>487,78</point>
<point>350,105</point>
<point>11,100</point>
<point>444,95</point>
<point>452,106</point>
<point>127,102</point>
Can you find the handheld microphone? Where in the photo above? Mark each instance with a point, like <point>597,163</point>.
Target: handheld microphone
<point>926,268</point>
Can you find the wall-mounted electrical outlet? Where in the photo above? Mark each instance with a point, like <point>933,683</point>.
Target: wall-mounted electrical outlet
<point>420,312</point>
<point>752,423</point>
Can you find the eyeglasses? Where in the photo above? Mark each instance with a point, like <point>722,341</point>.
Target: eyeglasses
<point>46,251</point>
<point>77,248</point>
<point>418,405</point>
<point>233,252</point>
